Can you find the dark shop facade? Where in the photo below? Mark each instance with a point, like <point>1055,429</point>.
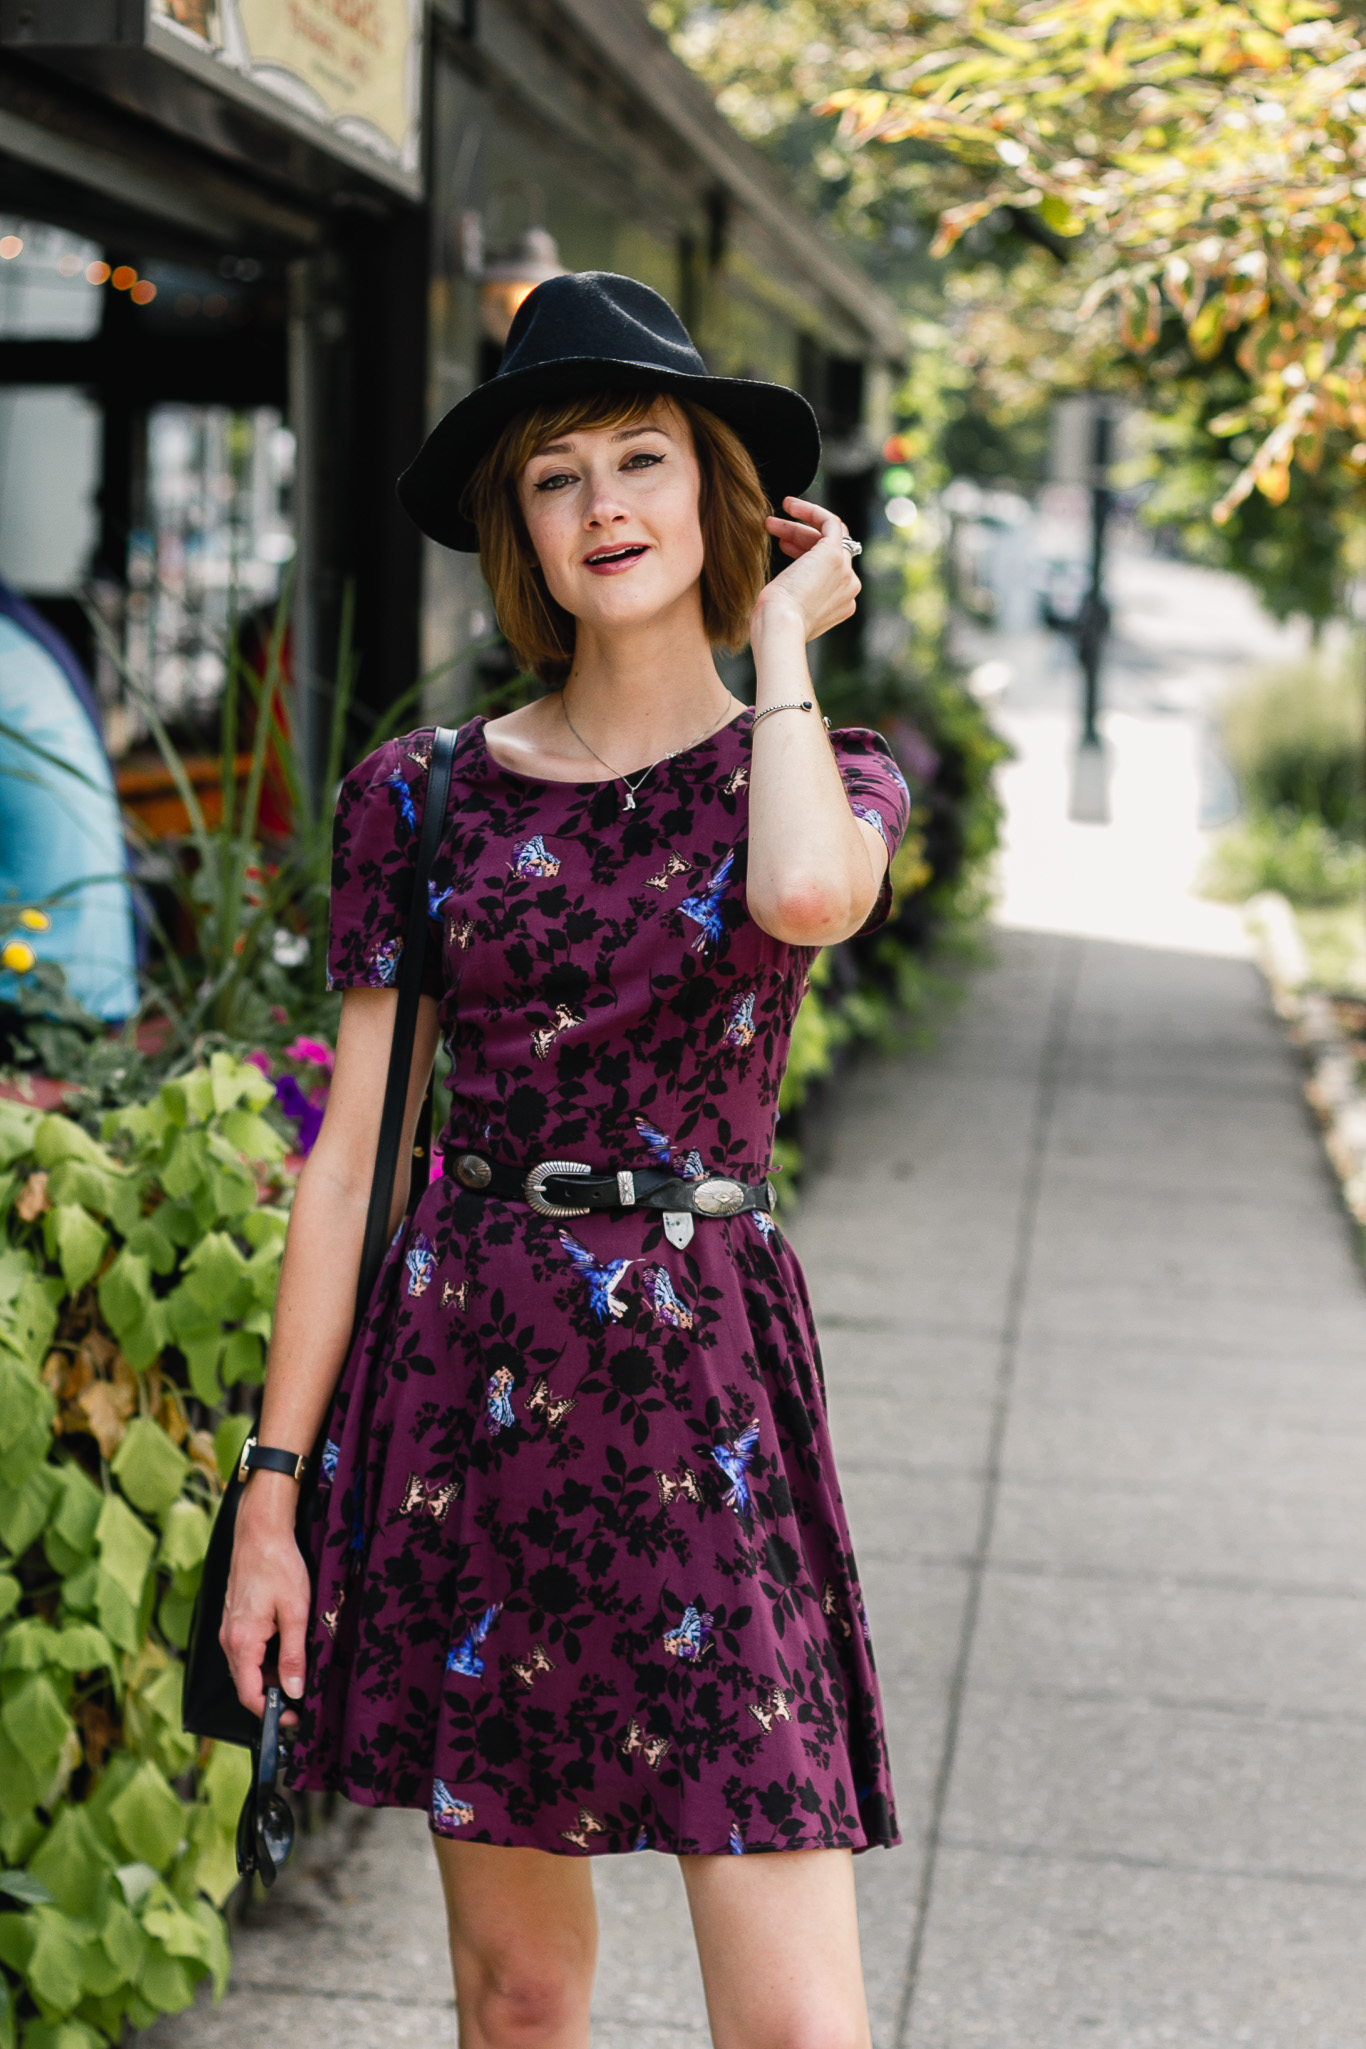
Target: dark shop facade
<point>249,249</point>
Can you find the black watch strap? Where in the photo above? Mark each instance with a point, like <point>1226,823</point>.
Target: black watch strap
<point>268,1458</point>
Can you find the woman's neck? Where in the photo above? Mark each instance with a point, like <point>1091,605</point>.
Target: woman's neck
<point>639,692</point>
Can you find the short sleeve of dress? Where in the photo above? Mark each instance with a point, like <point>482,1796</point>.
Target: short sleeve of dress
<point>877,793</point>
<point>374,855</point>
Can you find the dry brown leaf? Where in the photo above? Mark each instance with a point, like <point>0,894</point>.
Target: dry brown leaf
<point>54,1373</point>
<point>107,1409</point>
<point>200,1448</point>
<point>99,1350</point>
<point>100,1733</point>
<point>32,1200</point>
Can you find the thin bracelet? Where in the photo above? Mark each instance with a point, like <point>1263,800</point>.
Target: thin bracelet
<point>791,705</point>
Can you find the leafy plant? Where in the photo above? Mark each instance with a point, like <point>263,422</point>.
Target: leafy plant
<point>1301,857</point>
<point>137,1279</point>
<point>1296,740</point>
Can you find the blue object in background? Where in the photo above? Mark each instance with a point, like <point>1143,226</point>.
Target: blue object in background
<point>60,823</point>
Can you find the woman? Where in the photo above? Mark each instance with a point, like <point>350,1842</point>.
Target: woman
<point>584,1582</point>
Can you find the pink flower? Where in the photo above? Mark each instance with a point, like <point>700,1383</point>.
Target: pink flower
<point>260,1059</point>
<point>312,1050</point>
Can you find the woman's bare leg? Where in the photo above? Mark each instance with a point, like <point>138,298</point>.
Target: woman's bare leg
<point>777,1935</point>
<point>524,1943</point>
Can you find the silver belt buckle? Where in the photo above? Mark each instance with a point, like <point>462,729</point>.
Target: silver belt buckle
<point>543,1172</point>
<point>718,1197</point>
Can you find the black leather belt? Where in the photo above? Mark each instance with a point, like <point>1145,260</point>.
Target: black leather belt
<point>571,1188</point>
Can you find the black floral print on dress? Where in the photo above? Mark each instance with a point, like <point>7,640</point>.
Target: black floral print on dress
<point>584,1577</point>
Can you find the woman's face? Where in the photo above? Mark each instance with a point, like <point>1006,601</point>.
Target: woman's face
<point>612,513</point>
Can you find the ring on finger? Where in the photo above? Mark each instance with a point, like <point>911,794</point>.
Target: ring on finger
<point>853,547</point>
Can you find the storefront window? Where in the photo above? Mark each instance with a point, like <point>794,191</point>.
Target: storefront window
<point>216,536</point>
<point>49,283</point>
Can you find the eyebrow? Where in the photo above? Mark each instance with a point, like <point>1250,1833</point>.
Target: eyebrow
<point>626,434</point>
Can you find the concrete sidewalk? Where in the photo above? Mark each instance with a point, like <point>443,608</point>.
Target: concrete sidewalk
<point>1096,1346</point>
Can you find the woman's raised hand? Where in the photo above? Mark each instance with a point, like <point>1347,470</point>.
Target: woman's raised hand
<point>820,587</point>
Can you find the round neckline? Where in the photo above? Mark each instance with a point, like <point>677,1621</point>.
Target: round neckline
<point>546,782</point>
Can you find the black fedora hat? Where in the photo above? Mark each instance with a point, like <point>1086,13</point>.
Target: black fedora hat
<point>594,331</point>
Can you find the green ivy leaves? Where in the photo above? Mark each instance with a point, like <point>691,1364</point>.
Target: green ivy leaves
<point>156,1245</point>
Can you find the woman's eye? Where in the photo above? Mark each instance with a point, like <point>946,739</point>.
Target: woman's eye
<point>643,457</point>
<point>553,482</point>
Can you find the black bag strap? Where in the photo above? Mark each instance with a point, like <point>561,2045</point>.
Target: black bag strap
<point>405,1024</point>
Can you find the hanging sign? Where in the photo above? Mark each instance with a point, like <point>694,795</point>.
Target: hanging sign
<point>352,68</point>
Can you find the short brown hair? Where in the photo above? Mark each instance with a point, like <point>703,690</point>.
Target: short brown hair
<point>732,510</point>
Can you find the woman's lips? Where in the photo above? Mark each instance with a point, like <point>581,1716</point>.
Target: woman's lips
<point>610,562</point>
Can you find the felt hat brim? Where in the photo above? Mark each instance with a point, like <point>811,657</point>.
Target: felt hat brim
<point>776,425</point>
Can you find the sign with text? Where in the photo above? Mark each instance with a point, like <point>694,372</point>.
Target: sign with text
<point>350,67</point>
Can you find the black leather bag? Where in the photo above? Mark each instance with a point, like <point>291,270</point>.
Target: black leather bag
<point>209,1703</point>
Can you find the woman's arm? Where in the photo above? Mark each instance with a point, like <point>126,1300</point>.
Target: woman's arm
<point>268,1586</point>
<point>814,869</point>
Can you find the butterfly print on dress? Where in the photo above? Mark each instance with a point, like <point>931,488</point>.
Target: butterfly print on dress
<point>685,1484</point>
<point>774,1709</point>
<point>739,1031</point>
<point>654,1749</point>
<point>543,1040</point>
<point>502,1415</point>
<point>420,1260</point>
<point>588,1825</point>
<point>533,858</point>
<point>538,1403</point>
<point>426,1497</point>
<point>453,1297</point>
<point>692,1638</point>
<point>736,781</point>
<point>449,1812</point>
<point>384,961</point>
<point>667,1308</point>
<point>675,865</point>
<point>537,1659</point>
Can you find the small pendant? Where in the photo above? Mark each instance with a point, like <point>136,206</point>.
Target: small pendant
<point>628,802</point>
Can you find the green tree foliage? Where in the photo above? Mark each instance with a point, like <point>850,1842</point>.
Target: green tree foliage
<point>1192,174</point>
<point>137,1279</point>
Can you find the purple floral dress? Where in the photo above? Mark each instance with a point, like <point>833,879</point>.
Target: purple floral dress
<point>584,1577</point>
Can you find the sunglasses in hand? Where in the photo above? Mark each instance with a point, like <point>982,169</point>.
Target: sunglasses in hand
<point>265,1828</point>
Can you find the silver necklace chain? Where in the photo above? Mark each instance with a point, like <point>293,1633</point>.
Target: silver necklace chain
<point>628,802</point>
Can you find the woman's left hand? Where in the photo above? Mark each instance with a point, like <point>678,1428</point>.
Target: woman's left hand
<point>821,586</point>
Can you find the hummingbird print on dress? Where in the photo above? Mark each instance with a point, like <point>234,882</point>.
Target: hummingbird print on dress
<point>533,857</point>
<point>328,1468</point>
<point>642,1841</point>
<point>869,817</point>
<point>661,1150</point>
<point>705,908</point>
<point>436,898</point>
<point>734,1460</point>
<point>463,1657</point>
<point>692,1638</point>
<point>737,1841</point>
<point>763,1224</point>
<point>421,1264</point>
<point>448,1812</point>
<point>398,783</point>
<point>501,1413</point>
<point>739,1031</point>
<point>665,1303</point>
<point>602,1280</point>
